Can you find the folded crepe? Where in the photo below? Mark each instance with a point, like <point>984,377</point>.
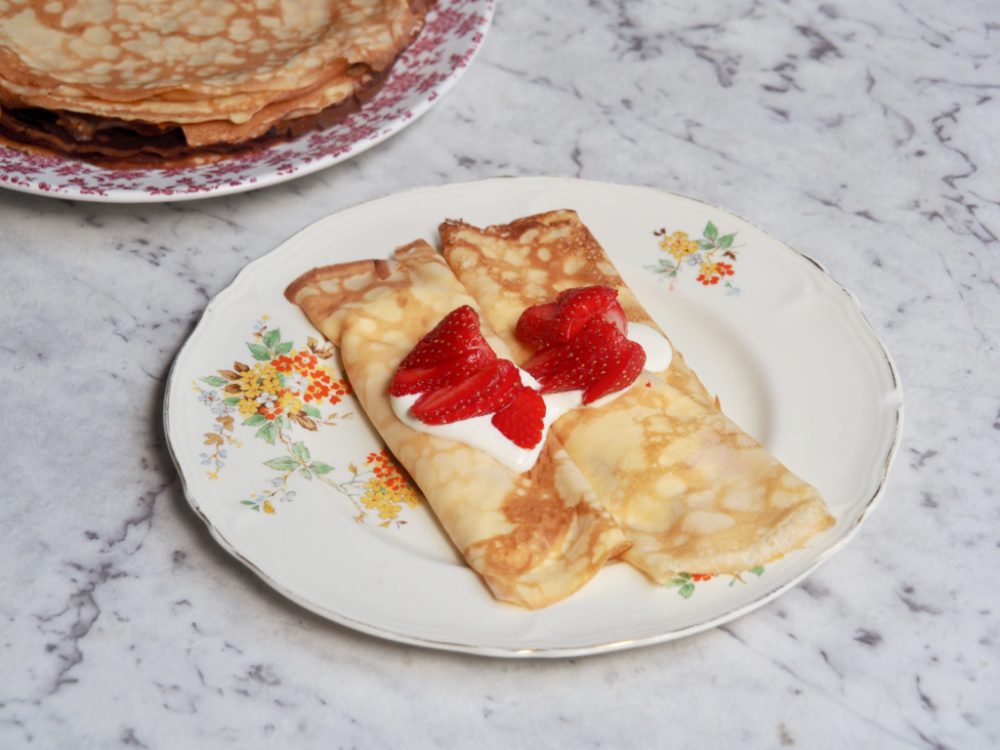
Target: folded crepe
<point>689,489</point>
<point>534,537</point>
<point>169,83</point>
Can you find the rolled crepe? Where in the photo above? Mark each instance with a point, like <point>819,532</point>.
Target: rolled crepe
<point>689,489</point>
<point>536,537</point>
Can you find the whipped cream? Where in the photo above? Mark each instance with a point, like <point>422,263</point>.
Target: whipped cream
<point>479,432</point>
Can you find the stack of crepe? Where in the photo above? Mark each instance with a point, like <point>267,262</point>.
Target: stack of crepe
<point>133,83</point>
<point>688,490</point>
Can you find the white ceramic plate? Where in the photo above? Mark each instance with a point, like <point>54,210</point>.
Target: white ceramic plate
<point>452,36</point>
<point>787,349</point>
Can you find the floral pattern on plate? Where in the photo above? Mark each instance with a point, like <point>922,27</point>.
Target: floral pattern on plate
<point>285,391</point>
<point>713,255</point>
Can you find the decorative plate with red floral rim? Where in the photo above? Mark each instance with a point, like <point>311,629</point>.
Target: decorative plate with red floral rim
<point>278,459</point>
<point>452,36</point>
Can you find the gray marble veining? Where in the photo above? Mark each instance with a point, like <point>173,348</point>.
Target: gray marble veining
<point>864,135</point>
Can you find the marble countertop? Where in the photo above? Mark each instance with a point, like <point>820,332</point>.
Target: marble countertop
<point>864,135</point>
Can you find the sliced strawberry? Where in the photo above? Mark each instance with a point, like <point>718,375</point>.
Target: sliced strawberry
<point>615,314</point>
<point>449,372</point>
<point>598,360</point>
<point>578,363</point>
<point>522,420</point>
<point>457,333</point>
<point>558,322</point>
<point>487,390</point>
<point>545,362</point>
<point>452,351</point>
<point>536,324</point>
<point>577,306</point>
<point>627,366</point>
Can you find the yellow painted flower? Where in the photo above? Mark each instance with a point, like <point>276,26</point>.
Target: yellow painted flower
<point>288,402</point>
<point>678,245</point>
<point>248,407</point>
<point>378,497</point>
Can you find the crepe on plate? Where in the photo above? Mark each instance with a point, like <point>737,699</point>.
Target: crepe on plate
<point>690,489</point>
<point>188,81</point>
<point>534,537</point>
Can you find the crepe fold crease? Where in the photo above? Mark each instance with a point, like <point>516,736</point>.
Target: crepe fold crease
<point>187,81</point>
<point>690,490</point>
<point>534,538</point>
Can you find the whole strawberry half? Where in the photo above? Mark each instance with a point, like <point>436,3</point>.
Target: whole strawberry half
<point>560,321</point>
<point>522,420</point>
<point>452,351</point>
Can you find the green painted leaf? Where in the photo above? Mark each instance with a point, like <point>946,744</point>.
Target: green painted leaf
<point>259,352</point>
<point>682,579</point>
<point>706,245</point>
<point>215,381</point>
<point>300,451</point>
<point>247,502</point>
<point>312,411</point>
<point>256,420</point>
<point>710,231</point>
<point>305,473</point>
<point>283,463</point>
<point>283,348</point>
<point>686,590</point>
<point>665,269</point>
<point>268,432</point>
<point>320,468</point>
<point>726,241</point>
<point>233,400</point>
<point>271,338</point>
<point>281,422</point>
<point>758,571</point>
